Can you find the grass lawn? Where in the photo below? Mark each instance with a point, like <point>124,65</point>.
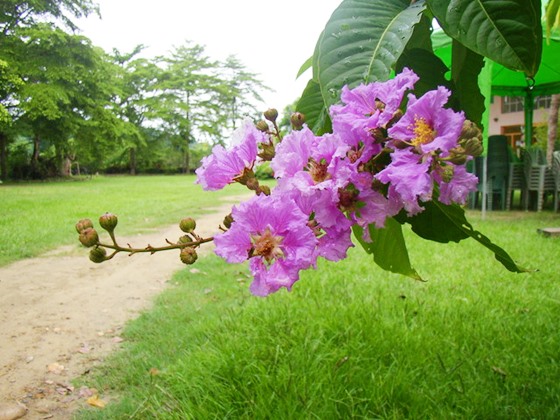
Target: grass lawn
<point>352,341</point>
<point>37,217</point>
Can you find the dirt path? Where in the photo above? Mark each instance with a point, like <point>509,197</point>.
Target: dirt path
<point>60,315</point>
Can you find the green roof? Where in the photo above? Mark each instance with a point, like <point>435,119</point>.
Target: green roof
<point>506,82</point>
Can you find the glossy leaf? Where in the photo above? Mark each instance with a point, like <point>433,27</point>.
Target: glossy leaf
<point>316,117</point>
<point>447,223</point>
<point>466,66</point>
<point>388,248</point>
<point>507,32</point>
<point>361,43</point>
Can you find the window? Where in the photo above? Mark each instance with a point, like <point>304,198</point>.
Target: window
<point>512,104</point>
<point>543,102</point>
<point>515,103</point>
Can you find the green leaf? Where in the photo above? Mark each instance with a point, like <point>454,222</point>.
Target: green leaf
<point>428,66</point>
<point>465,68</point>
<point>434,224</point>
<point>507,32</point>
<point>552,16</point>
<point>305,66</point>
<point>388,248</point>
<point>445,223</point>
<point>360,43</point>
<point>316,117</point>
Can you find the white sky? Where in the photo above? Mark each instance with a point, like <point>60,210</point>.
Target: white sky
<point>271,38</point>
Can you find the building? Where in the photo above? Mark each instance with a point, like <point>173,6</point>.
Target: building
<point>507,117</point>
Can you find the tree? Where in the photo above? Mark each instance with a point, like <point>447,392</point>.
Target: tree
<point>66,92</point>
<point>16,14</point>
<point>15,18</point>
<point>187,98</point>
<point>136,79</point>
<point>242,91</point>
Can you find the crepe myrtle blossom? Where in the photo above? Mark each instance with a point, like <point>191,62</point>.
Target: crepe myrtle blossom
<point>272,233</point>
<point>223,166</point>
<point>368,107</point>
<point>423,141</point>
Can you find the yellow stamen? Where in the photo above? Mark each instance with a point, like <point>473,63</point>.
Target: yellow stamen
<point>423,132</point>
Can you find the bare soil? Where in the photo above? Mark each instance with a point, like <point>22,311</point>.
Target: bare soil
<point>61,315</point>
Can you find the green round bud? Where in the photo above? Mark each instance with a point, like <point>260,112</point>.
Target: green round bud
<point>108,222</point>
<point>262,125</point>
<point>83,224</point>
<point>271,114</point>
<point>89,237</point>
<point>188,255</point>
<point>297,120</point>
<point>185,239</point>
<point>98,255</point>
<point>187,225</point>
<point>473,147</point>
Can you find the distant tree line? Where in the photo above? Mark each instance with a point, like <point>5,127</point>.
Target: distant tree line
<point>67,106</point>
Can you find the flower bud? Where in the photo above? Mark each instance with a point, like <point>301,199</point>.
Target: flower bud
<point>262,125</point>
<point>185,239</point>
<point>297,120</point>
<point>228,220</point>
<point>188,255</point>
<point>470,130</point>
<point>98,254</point>
<point>473,146</point>
<point>88,237</point>
<point>188,225</point>
<point>83,224</point>
<point>458,158</point>
<point>271,114</point>
<point>267,151</point>
<point>108,222</point>
<point>447,173</point>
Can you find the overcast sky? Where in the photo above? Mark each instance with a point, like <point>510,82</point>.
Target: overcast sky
<point>271,38</point>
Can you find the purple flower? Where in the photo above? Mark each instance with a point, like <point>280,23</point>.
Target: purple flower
<point>369,106</point>
<point>223,166</point>
<point>409,180</point>
<point>458,188</point>
<point>272,233</point>
<point>430,131</point>
<point>427,125</point>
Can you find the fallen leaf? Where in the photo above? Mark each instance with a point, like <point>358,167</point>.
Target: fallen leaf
<point>194,270</point>
<point>154,371</point>
<point>55,368</point>
<point>95,401</point>
<point>117,339</point>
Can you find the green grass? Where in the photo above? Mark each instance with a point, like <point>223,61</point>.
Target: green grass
<point>36,217</point>
<point>351,341</point>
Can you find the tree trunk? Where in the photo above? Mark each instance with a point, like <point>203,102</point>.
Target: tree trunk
<point>552,127</point>
<point>36,151</point>
<point>132,154</point>
<point>65,168</point>
<point>186,157</point>
<point>3,156</point>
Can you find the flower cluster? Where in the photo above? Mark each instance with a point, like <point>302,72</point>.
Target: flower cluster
<point>379,160</point>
